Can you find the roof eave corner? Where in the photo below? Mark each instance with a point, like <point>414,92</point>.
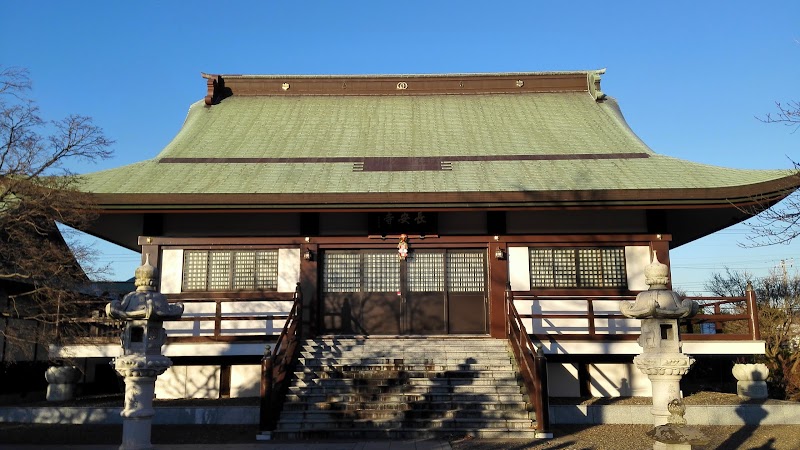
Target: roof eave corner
<point>593,80</point>
<point>215,88</point>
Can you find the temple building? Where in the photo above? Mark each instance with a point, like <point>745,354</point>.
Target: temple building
<point>415,205</point>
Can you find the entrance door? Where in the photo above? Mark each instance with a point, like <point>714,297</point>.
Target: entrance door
<point>431,292</point>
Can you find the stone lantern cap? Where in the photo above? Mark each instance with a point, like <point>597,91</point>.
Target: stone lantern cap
<point>144,303</point>
<point>658,302</point>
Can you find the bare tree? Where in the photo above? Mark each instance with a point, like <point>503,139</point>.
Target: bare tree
<point>788,114</point>
<point>778,299</point>
<point>40,278</point>
<point>781,223</point>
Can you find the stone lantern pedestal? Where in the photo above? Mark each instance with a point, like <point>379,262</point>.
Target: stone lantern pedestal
<point>62,382</point>
<point>140,375</point>
<point>663,363</point>
<point>751,381</point>
<point>144,312</point>
<point>661,359</point>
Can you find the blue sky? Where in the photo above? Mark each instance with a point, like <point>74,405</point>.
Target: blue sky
<point>690,76</point>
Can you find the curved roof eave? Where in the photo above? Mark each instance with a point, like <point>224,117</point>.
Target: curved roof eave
<point>767,192</point>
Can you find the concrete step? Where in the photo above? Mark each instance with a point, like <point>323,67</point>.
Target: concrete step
<point>344,383</point>
<point>476,347</point>
<point>407,433</point>
<point>404,388</point>
<point>482,347</point>
<point>356,365</point>
<point>402,397</point>
<point>405,358</point>
<point>399,423</point>
<point>332,373</point>
<point>414,414</point>
<point>400,406</point>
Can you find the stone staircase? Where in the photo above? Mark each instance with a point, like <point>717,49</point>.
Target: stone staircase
<point>405,388</point>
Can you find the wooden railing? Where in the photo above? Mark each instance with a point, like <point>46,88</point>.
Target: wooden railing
<point>277,366</point>
<point>98,328</point>
<point>219,299</point>
<point>600,311</point>
<point>531,362</point>
<point>741,311</point>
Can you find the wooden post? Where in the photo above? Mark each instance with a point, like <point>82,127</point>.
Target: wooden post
<point>752,310</point>
<point>264,417</point>
<point>509,299</point>
<point>543,400</point>
<point>308,284</point>
<point>498,278</point>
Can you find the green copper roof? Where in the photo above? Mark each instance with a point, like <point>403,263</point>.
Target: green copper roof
<point>507,142</point>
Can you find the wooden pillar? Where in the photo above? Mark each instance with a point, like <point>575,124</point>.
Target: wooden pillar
<point>752,309</point>
<point>498,278</point>
<point>309,286</point>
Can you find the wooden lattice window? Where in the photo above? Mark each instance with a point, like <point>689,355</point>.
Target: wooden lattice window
<point>381,272</point>
<point>426,272</point>
<point>466,272</point>
<point>341,272</point>
<point>578,267</point>
<point>224,270</point>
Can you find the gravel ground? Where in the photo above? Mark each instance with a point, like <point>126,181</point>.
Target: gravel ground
<point>600,437</point>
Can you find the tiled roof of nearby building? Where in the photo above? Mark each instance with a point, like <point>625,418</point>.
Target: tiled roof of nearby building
<point>323,141</point>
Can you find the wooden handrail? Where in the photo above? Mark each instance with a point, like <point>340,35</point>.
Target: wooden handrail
<point>745,311</point>
<point>531,362</point>
<point>277,365</point>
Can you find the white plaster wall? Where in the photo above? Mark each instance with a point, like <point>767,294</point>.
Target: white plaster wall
<point>256,308</point>
<point>171,271</point>
<point>172,383</point>
<point>288,269</point>
<point>618,380</point>
<point>636,259</point>
<point>617,326</point>
<point>559,326</point>
<point>185,328</point>
<point>252,327</point>
<point>562,380</point>
<point>189,382</point>
<point>519,268</point>
<point>245,381</point>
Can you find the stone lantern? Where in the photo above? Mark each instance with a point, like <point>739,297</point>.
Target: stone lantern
<point>144,312</point>
<point>661,358</point>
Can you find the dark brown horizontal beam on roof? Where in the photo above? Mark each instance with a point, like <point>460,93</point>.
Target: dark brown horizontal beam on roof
<point>482,240</point>
<point>253,85</point>
<point>405,163</point>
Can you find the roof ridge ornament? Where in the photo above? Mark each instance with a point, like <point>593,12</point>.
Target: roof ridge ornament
<point>216,90</point>
<point>593,80</point>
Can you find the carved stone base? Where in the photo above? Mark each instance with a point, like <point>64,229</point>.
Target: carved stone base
<point>750,390</point>
<point>140,374</point>
<point>751,381</point>
<point>665,371</point>
<point>136,434</point>
<point>62,382</point>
